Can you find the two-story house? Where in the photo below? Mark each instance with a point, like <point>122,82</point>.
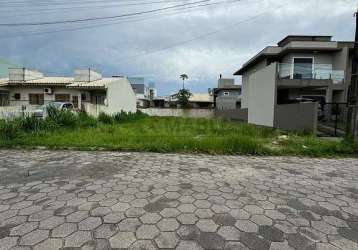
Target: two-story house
<point>278,81</point>
<point>227,95</point>
<point>144,94</point>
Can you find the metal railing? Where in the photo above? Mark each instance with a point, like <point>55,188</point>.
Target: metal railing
<point>310,72</point>
<point>332,119</point>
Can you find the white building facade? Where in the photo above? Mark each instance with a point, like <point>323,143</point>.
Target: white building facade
<point>87,90</point>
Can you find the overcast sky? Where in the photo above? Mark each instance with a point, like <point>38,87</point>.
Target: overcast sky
<point>201,42</point>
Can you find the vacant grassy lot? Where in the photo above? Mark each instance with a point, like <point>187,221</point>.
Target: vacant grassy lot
<point>159,134</point>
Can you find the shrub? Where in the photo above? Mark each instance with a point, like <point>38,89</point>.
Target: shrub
<point>124,117</point>
<point>63,118</point>
<point>9,129</point>
<point>105,118</point>
<point>31,124</point>
<point>86,121</point>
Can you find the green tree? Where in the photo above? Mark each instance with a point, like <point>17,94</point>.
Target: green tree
<point>183,97</point>
<point>184,77</point>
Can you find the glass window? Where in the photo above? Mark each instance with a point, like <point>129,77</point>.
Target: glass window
<point>303,68</point>
<point>36,99</point>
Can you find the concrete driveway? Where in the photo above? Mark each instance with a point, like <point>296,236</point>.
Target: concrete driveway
<point>104,200</point>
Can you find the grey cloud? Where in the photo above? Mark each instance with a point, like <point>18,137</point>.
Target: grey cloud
<point>127,48</point>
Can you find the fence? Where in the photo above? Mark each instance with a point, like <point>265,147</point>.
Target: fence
<point>332,119</point>
<point>9,112</point>
<point>192,113</point>
<point>297,117</point>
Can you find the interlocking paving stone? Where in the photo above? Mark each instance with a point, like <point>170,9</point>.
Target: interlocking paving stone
<point>246,226</point>
<point>8,242</point>
<point>146,201</point>
<point>105,231</point>
<point>64,230</point>
<point>168,224</point>
<point>52,222</point>
<point>207,225</point>
<point>167,240</point>
<point>90,223</point>
<point>150,218</point>
<point>49,244</point>
<point>129,225</point>
<point>189,245</point>
<point>271,233</point>
<point>211,241</point>
<point>143,245</point>
<point>24,228</point>
<point>229,233</point>
<point>146,232</point>
<point>77,239</point>
<point>122,240</point>
<point>253,241</point>
<point>34,237</point>
<point>187,219</point>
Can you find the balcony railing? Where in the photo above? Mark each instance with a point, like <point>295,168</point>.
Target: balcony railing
<point>310,72</point>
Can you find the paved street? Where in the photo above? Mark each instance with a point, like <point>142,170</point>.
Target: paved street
<point>111,200</point>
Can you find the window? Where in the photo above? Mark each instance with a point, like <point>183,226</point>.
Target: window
<point>83,97</point>
<point>226,93</point>
<point>98,99</point>
<point>62,97</point>
<point>17,96</point>
<point>303,68</point>
<point>4,98</point>
<point>36,99</point>
<point>75,101</point>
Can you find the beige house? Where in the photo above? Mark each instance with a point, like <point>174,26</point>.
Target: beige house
<point>277,80</point>
<point>201,100</point>
<point>87,90</point>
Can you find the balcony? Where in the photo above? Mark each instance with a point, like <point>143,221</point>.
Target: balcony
<point>309,75</point>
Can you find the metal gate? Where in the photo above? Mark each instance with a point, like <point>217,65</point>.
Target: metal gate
<point>332,119</point>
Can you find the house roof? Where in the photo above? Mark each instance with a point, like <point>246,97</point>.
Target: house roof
<point>98,84</point>
<point>59,82</point>
<point>201,97</point>
<point>294,43</point>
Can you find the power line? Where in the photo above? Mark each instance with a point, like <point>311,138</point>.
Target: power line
<point>100,18</point>
<point>122,20</point>
<point>204,35</point>
<point>88,8</point>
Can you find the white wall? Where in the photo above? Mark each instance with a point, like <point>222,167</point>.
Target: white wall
<point>192,113</point>
<point>262,96</point>
<point>120,97</point>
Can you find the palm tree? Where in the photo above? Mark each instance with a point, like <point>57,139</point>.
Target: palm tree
<point>184,77</point>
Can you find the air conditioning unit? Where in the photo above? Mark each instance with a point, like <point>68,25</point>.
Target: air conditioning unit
<point>48,91</point>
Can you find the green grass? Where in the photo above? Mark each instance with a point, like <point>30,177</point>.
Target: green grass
<point>184,135</point>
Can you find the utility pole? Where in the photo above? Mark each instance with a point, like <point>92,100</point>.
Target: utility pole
<point>353,90</point>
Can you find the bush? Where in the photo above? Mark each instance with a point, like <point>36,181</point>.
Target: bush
<point>31,124</point>
<point>63,118</point>
<point>124,117</point>
<point>86,121</point>
<point>105,118</point>
<point>9,129</point>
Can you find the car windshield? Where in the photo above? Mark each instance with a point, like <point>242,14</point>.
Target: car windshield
<point>55,104</point>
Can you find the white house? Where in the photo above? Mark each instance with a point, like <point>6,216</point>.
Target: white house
<point>87,90</point>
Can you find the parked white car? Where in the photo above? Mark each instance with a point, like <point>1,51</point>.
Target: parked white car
<point>42,112</point>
